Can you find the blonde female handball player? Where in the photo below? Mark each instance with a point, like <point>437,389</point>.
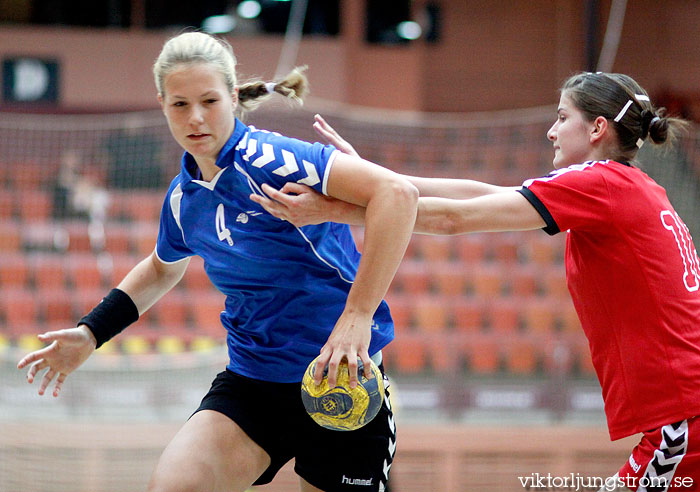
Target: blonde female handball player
<point>291,293</point>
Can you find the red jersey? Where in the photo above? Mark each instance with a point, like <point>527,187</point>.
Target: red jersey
<point>634,276</point>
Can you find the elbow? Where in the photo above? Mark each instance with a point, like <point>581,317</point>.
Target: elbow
<point>405,193</point>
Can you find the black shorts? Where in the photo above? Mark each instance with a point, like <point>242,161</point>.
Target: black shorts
<point>272,415</point>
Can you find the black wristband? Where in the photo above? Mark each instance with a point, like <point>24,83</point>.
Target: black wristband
<point>111,316</point>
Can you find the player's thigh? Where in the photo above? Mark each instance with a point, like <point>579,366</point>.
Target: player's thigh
<point>210,453</point>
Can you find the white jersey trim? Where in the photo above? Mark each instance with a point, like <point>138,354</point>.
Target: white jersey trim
<point>210,185</point>
<point>559,172</point>
<point>175,199</point>
<point>169,262</point>
<point>331,160</point>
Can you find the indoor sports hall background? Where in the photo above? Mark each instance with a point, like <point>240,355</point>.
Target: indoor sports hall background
<point>490,370</point>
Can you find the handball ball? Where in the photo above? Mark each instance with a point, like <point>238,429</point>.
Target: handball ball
<point>342,408</point>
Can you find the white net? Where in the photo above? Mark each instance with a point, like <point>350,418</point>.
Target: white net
<point>79,206</point>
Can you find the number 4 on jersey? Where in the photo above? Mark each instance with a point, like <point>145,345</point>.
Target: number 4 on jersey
<point>221,231</point>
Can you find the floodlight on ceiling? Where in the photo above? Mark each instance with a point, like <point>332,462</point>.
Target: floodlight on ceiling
<point>219,24</point>
<point>249,9</point>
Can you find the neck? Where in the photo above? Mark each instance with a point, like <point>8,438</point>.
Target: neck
<point>207,168</point>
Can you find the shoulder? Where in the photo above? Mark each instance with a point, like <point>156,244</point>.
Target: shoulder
<point>587,169</point>
<point>277,140</point>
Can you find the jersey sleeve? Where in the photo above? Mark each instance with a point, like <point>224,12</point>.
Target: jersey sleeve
<point>171,246</point>
<point>575,197</point>
<point>275,159</point>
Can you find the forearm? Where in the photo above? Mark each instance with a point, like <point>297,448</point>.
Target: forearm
<point>150,280</point>
<point>489,213</point>
<point>389,218</point>
<point>460,189</point>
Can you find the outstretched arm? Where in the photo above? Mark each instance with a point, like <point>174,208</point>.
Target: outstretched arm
<point>68,349</point>
<point>510,211</point>
<point>440,187</point>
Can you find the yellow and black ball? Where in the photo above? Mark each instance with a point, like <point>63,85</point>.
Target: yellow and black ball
<point>342,408</point>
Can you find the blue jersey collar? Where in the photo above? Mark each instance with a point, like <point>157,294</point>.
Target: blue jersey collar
<point>189,170</point>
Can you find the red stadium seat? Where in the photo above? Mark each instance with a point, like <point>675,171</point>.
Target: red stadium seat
<point>48,271</point>
<point>471,248</point>
<point>521,356</point>
<point>487,280</point>
<point>412,277</point>
<point>34,205</point>
<point>443,355</point>
<point>171,310</point>
<point>19,307</point>
<point>7,204</point>
<point>434,248</point>
<point>56,306</point>
<point>523,280</point>
<point>544,250</point>
<point>121,265</point>
<point>583,358</point>
<point>136,206</point>
<point>504,247</point>
<point>205,310</point>
<point>31,176</point>
<point>84,272</point>
<point>503,315</point>
<point>117,239</point>
<point>431,314</point>
<point>143,238</point>
<point>568,318</point>
<point>484,355</point>
<point>538,315</point>
<point>406,355</point>
<point>400,307</point>
<point>14,271</point>
<point>10,236</point>
<point>196,278</point>
<point>553,280</point>
<point>449,279</point>
<point>468,314</point>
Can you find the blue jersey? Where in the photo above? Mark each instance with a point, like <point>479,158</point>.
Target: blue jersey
<point>285,286</point>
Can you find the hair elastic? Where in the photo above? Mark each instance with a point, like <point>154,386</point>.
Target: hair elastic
<point>270,87</point>
<point>640,141</point>
<point>638,97</point>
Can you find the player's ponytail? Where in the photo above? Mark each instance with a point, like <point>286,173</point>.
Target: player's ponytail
<point>295,86</point>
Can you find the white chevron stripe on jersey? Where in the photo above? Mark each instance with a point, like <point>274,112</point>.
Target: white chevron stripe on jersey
<point>268,155</point>
<point>251,149</point>
<point>243,142</point>
<point>290,164</point>
<point>312,178</point>
<point>256,189</point>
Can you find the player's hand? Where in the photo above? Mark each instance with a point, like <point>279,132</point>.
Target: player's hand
<point>66,351</point>
<point>297,204</point>
<point>349,340</point>
<point>329,135</point>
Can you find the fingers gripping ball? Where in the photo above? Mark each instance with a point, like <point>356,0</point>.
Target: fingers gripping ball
<point>342,408</point>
